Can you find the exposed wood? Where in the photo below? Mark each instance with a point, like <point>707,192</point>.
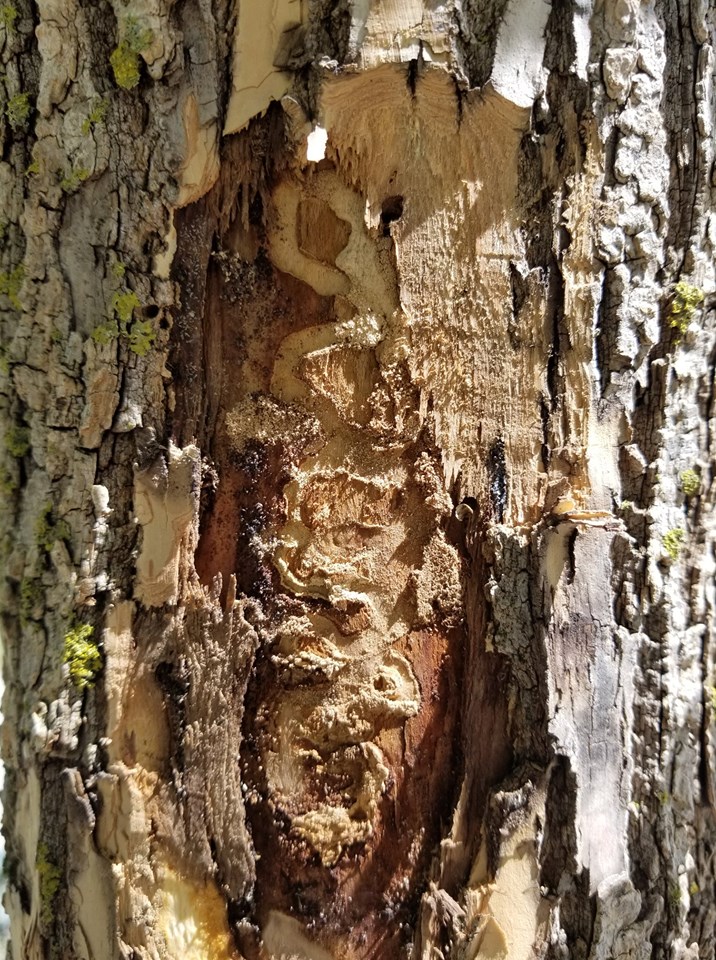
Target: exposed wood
<point>357,396</point>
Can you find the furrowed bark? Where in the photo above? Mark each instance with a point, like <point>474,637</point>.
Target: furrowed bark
<point>356,394</point>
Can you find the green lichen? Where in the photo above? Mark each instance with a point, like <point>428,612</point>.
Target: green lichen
<point>18,110</point>
<point>17,441</point>
<point>72,180</point>
<point>138,334</point>
<point>104,333</point>
<point>49,875</point>
<point>33,168</point>
<point>123,306</point>
<point>137,38</point>
<point>664,797</point>
<point>49,529</point>
<point>125,65</point>
<point>687,299</point>
<point>673,540</point>
<point>82,656</point>
<point>125,57</point>
<point>690,482</point>
<point>8,16</point>
<point>141,338</point>
<point>98,112</point>
<point>11,284</point>
<point>694,888</point>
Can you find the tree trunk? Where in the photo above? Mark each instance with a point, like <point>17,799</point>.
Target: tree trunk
<point>357,384</point>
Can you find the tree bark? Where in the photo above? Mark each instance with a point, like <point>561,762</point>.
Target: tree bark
<point>357,391</point>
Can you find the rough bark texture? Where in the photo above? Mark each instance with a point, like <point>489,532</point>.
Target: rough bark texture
<point>357,388</point>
